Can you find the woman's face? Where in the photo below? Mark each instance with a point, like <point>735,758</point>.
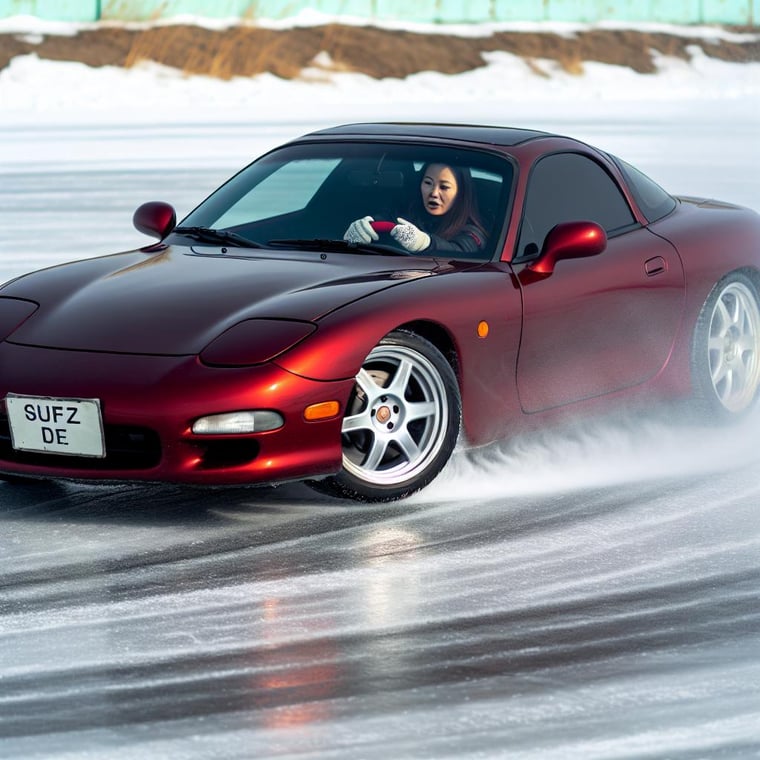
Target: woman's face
<point>439,189</point>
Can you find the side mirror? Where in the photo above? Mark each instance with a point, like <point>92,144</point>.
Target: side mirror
<point>570,240</point>
<point>155,218</point>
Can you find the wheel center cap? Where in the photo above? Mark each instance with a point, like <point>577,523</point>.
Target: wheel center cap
<point>383,414</point>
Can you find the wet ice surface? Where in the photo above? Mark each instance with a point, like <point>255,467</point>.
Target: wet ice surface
<point>586,593</point>
<point>593,592</point>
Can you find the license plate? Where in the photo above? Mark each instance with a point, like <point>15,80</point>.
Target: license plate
<point>70,426</point>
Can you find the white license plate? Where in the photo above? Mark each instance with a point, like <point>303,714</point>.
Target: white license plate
<point>70,426</point>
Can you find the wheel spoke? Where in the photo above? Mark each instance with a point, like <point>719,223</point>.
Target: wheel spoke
<point>724,317</point>
<point>728,385</point>
<point>739,376</point>
<point>361,421</point>
<point>376,453</point>
<point>719,370</point>
<point>400,380</point>
<point>366,382</point>
<point>407,445</point>
<point>421,410</point>
<point>747,344</point>
<point>744,320</point>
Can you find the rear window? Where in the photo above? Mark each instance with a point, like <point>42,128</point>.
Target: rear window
<point>653,201</point>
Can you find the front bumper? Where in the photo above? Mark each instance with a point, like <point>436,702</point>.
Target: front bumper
<point>148,406</point>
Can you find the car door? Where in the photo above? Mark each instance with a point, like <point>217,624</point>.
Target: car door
<point>600,324</point>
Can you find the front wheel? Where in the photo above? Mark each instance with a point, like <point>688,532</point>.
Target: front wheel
<point>401,422</point>
<point>726,349</point>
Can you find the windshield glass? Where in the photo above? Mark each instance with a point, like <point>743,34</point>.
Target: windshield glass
<point>299,194</point>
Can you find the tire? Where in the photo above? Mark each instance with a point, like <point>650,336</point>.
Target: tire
<point>401,423</point>
<point>726,349</point>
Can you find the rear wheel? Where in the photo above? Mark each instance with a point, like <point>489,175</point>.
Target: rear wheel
<point>726,349</point>
<point>401,422</point>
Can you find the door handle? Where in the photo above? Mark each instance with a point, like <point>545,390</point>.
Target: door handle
<point>655,265</point>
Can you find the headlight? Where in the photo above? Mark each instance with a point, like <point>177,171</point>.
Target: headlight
<point>255,341</point>
<point>13,312</point>
<point>237,423</point>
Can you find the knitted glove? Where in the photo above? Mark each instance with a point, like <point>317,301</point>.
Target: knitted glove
<point>409,236</point>
<point>360,231</point>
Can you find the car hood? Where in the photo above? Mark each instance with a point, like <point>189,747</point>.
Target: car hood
<point>176,301</point>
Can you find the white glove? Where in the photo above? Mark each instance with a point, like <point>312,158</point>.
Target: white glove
<point>411,237</point>
<point>361,231</point>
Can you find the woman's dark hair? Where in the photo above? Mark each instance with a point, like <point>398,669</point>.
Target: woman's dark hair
<point>463,211</point>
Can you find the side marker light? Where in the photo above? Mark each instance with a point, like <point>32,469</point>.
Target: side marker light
<point>321,411</point>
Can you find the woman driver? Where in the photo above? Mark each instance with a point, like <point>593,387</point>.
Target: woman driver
<point>442,218</point>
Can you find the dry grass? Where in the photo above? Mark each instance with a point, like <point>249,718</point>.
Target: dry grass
<point>247,50</point>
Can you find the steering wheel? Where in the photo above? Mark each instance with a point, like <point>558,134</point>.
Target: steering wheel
<point>382,226</point>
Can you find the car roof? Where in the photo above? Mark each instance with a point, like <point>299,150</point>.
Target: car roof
<point>473,133</point>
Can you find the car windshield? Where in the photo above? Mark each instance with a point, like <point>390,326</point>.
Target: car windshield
<point>306,196</point>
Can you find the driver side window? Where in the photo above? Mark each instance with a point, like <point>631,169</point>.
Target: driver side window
<point>569,187</point>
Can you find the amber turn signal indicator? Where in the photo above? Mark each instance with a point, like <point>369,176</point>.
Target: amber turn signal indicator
<point>482,329</point>
<point>321,411</point>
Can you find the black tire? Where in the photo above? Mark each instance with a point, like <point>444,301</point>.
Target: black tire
<point>401,422</point>
<point>726,349</point>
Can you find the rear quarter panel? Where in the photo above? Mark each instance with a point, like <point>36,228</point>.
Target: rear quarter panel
<point>713,239</point>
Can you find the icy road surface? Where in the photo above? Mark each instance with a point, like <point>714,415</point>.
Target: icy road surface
<point>587,593</point>
<point>612,611</point>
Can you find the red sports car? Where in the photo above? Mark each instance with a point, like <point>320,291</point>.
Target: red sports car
<point>336,311</point>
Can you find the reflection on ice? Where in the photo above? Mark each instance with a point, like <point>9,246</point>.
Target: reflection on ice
<point>159,621</point>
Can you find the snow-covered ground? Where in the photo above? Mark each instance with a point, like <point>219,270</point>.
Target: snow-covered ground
<point>589,594</point>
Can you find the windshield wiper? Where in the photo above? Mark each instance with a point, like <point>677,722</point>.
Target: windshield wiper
<point>319,244</point>
<point>209,235</point>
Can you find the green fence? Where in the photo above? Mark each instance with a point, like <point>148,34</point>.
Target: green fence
<point>730,12</point>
